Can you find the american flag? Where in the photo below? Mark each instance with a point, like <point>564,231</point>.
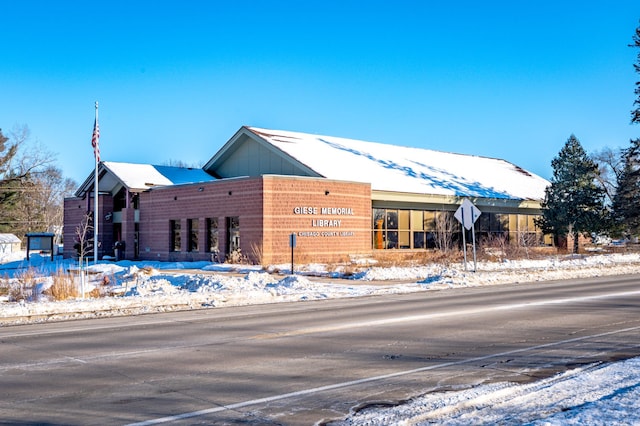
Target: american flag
<point>95,140</point>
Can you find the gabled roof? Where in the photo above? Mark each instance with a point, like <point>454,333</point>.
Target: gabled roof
<point>247,154</point>
<point>140,177</point>
<point>388,167</point>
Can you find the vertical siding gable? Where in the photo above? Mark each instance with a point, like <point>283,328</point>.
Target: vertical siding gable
<point>251,158</point>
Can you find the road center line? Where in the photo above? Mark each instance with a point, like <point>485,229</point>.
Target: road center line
<point>410,318</point>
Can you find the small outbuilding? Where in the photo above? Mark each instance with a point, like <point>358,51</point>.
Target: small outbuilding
<point>9,243</point>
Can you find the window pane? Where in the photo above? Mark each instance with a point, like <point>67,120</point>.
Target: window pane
<point>392,239</point>
<point>429,221</point>
<point>533,218</point>
<point>483,222</point>
<point>403,219</point>
<point>392,219</point>
<point>176,241</point>
<point>417,224</point>
<point>378,230</point>
<point>431,240</point>
<point>500,222</point>
<point>234,222</point>
<point>194,224</point>
<point>212,235</point>
<point>403,240</point>
<point>378,218</point>
<point>233,233</point>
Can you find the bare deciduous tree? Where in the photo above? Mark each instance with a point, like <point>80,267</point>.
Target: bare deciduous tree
<point>445,228</point>
<point>84,245</point>
<point>84,238</point>
<point>610,164</point>
<point>32,189</point>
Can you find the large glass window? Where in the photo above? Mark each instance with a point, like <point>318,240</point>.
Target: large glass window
<point>192,225</point>
<point>212,235</point>
<point>233,231</point>
<point>426,229</point>
<point>176,241</point>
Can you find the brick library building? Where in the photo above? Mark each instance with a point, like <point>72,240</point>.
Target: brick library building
<point>335,197</point>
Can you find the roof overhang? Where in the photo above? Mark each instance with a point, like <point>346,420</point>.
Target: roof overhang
<point>449,202</point>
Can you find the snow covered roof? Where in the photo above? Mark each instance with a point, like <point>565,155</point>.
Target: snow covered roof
<point>9,239</point>
<point>144,176</point>
<point>140,177</point>
<point>406,169</point>
<point>254,151</point>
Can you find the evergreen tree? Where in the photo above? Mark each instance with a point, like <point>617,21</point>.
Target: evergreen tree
<point>626,202</point>
<point>574,203</point>
<point>635,113</point>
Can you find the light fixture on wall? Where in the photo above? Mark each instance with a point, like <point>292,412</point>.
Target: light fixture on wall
<point>200,189</point>
<point>326,192</point>
<point>230,192</point>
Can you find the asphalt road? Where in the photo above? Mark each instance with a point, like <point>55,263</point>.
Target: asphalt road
<point>310,362</point>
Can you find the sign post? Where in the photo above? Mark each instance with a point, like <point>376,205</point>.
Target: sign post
<point>292,244</point>
<point>467,214</point>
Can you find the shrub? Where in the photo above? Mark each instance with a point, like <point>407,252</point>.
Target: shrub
<point>23,285</point>
<point>63,287</point>
<point>237,257</point>
<point>5,286</point>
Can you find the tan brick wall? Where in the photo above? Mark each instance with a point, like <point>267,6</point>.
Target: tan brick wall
<point>295,205</point>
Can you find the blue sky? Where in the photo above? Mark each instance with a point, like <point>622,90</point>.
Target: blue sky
<point>176,79</point>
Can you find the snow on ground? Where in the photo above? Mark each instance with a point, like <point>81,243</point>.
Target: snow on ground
<point>609,393</point>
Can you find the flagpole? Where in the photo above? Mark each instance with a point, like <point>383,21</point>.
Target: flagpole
<point>95,196</point>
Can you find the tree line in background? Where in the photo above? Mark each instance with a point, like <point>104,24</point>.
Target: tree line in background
<point>32,188</point>
<point>597,194</point>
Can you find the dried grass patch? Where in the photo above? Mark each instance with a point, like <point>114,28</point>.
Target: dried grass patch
<point>63,287</point>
